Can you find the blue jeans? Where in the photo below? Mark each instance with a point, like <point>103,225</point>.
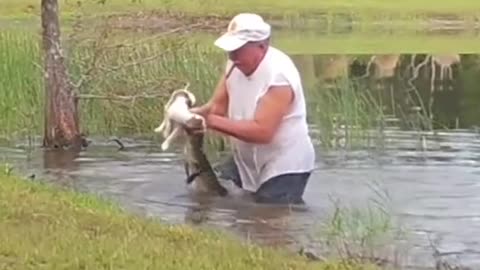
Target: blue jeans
<point>281,189</point>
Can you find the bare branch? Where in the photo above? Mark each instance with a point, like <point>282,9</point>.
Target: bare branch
<point>162,34</point>
<point>120,144</point>
<point>100,48</point>
<point>120,97</point>
<point>95,57</point>
<point>134,63</point>
<point>145,95</point>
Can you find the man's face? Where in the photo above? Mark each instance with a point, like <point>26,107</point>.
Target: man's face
<point>247,57</point>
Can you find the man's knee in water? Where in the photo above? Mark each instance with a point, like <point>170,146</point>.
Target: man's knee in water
<point>283,189</point>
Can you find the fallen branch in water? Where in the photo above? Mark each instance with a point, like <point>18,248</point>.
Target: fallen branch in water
<point>120,144</point>
<point>440,262</point>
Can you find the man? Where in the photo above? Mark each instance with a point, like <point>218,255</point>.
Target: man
<point>259,102</point>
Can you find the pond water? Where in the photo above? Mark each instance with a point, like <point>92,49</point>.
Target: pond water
<point>432,178</point>
<point>433,190</point>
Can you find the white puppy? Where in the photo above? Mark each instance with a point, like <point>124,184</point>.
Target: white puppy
<point>177,116</point>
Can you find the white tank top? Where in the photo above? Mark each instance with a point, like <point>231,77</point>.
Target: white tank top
<point>291,149</point>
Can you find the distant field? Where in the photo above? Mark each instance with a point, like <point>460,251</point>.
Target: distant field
<point>367,8</point>
<point>371,44</point>
<point>365,43</point>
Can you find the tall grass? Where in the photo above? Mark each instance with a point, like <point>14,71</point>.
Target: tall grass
<point>21,84</point>
<point>344,112</point>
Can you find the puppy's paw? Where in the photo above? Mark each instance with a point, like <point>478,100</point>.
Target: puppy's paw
<point>165,145</point>
<point>158,129</point>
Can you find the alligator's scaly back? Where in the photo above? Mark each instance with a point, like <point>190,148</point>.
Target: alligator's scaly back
<point>198,168</point>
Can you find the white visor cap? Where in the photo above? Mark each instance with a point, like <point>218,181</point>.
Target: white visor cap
<point>243,28</point>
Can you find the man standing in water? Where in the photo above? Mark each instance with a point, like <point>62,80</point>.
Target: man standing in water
<point>259,102</point>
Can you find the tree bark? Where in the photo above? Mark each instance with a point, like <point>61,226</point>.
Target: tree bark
<point>61,114</point>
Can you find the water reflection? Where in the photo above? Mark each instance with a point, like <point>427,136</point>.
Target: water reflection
<point>269,225</point>
<point>442,86</point>
<point>57,165</point>
<point>331,67</point>
<point>433,189</point>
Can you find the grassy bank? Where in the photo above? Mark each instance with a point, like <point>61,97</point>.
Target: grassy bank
<point>44,227</point>
<point>368,9</point>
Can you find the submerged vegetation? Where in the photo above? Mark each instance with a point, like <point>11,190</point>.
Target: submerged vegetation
<point>364,233</point>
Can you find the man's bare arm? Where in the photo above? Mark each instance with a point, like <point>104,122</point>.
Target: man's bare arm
<point>273,106</point>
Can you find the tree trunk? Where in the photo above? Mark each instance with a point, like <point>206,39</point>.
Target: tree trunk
<point>61,115</point>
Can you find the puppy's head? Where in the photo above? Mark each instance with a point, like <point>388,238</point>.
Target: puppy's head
<point>167,125</point>
<point>184,93</point>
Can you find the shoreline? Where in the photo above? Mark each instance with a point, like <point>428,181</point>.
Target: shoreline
<point>71,229</point>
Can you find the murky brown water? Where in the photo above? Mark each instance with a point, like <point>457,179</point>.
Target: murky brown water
<point>433,191</point>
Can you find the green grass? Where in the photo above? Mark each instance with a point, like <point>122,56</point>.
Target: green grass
<point>21,92</point>
<point>44,227</point>
<point>366,8</point>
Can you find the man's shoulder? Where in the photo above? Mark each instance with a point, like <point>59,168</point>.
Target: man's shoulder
<point>281,62</point>
<point>278,52</point>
